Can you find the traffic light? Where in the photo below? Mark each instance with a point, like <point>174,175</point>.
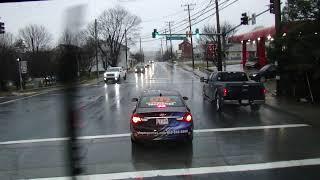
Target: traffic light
<point>244,19</point>
<point>155,33</point>
<point>197,33</point>
<point>2,28</point>
<point>272,6</point>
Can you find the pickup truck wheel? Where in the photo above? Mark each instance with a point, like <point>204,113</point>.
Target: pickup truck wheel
<point>218,104</point>
<point>255,107</point>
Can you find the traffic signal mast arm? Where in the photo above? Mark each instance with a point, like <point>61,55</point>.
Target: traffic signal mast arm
<point>155,34</point>
<point>249,19</point>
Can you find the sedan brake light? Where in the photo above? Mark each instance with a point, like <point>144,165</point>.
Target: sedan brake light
<point>264,91</point>
<point>136,118</point>
<point>187,117</point>
<point>225,91</point>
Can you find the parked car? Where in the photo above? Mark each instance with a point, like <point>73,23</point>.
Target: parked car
<point>233,88</point>
<point>115,74</point>
<point>252,63</point>
<point>266,72</point>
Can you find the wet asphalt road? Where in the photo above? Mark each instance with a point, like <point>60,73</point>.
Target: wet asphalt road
<point>104,111</point>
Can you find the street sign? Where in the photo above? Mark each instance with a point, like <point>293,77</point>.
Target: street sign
<point>24,67</point>
<point>176,38</point>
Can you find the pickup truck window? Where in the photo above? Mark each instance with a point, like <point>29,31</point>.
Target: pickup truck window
<point>113,70</point>
<point>232,76</point>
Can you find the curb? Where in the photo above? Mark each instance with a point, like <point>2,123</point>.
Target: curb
<point>39,91</point>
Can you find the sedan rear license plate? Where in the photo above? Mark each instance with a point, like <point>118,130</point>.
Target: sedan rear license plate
<point>246,101</point>
<point>162,121</point>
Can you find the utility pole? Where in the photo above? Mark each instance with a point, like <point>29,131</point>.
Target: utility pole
<point>188,5</point>
<point>171,54</point>
<point>277,14</point>
<point>218,37</point>
<point>224,51</point>
<point>125,34</point>
<point>140,51</point>
<point>20,76</point>
<point>161,51</point>
<point>96,44</point>
<point>165,31</point>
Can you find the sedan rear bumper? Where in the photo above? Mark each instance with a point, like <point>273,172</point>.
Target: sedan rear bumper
<point>170,135</point>
<point>259,102</point>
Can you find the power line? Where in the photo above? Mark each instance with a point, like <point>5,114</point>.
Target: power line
<point>184,20</point>
<point>209,15</point>
<point>194,18</point>
<point>215,13</point>
<point>203,14</point>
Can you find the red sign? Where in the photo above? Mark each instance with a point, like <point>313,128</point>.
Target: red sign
<point>211,49</point>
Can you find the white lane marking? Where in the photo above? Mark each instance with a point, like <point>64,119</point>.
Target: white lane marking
<point>128,134</point>
<point>195,171</point>
<point>251,128</point>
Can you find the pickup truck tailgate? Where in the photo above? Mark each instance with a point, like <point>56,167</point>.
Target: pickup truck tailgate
<point>243,90</point>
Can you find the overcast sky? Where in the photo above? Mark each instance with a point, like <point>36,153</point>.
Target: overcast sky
<point>154,14</point>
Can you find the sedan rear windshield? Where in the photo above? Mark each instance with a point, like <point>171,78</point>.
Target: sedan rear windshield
<point>234,76</point>
<point>160,101</point>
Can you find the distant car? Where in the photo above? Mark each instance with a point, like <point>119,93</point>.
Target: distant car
<point>115,74</point>
<point>233,88</point>
<point>253,63</point>
<point>139,69</point>
<point>161,115</point>
<point>266,72</point>
<point>147,65</point>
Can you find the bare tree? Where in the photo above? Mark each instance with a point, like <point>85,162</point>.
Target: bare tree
<point>7,63</point>
<point>6,40</point>
<point>36,37</point>
<point>70,38</point>
<point>225,30</point>
<point>112,24</point>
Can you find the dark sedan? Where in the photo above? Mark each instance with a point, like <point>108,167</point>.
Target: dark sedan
<point>161,116</point>
<point>266,72</point>
<point>139,69</point>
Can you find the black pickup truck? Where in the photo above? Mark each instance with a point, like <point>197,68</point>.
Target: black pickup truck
<point>233,88</point>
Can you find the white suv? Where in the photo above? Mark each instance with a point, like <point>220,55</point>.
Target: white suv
<point>115,74</point>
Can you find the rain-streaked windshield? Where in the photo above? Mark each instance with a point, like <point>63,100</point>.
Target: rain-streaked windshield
<point>159,89</point>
